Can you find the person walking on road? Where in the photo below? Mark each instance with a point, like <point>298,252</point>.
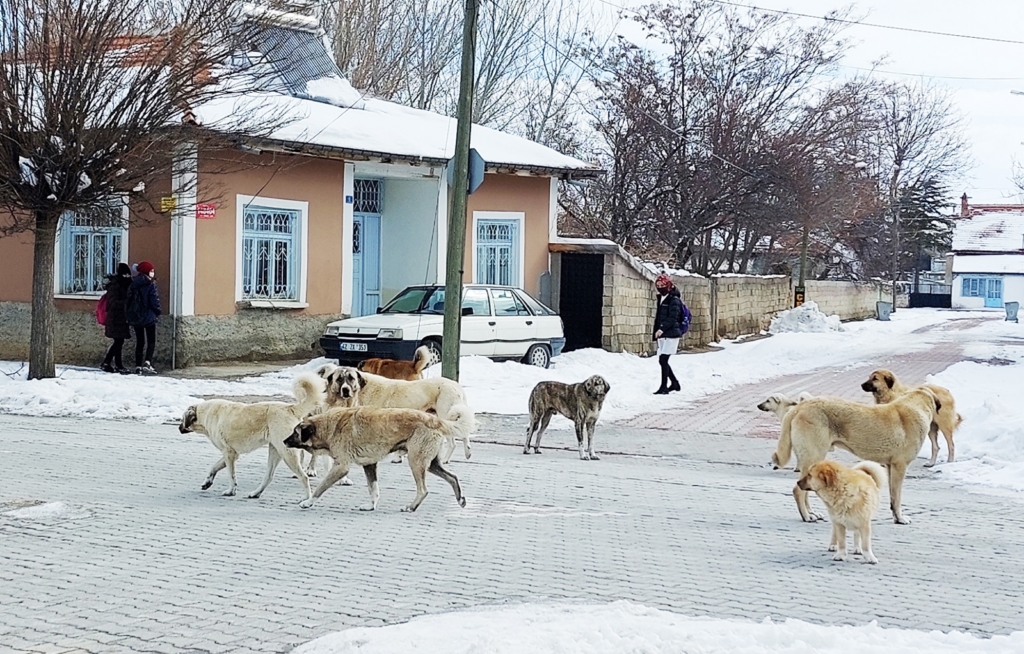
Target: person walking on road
<point>143,311</point>
<point>667,330</point>
<point>115,326</point>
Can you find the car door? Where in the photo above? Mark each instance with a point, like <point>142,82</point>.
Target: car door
<point>516,328</point>
<point>547,322</point>
<point>478,327</point>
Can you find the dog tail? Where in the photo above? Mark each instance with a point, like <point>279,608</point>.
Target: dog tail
<point>462,423</point>
<point>804,396</point>
<point>959,419</point>
<point>310,392</point>
<point>420,359</point>
<point>875,471</point>
<point>785,447</point>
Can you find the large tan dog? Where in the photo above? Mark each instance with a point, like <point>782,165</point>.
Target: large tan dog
<point>397,369</point>
<point>851,495</point>
<point>890,434</point>
<point>885,387</point>
<point>436,394</point>
<point>364,436</point>
<point>236,428</point>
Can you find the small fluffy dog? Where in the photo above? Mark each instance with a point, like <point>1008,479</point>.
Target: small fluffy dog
<point>580,403</point>
<point>364,436</point>
<point>851,495</point>
<point>396,369</point>
<point>350,387</point>
<point>236,428</point>
<point>885,387</point>
<point>890,434</point>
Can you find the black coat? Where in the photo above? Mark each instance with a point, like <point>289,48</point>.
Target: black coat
<point>150,298</point>
<point>117,292</point>
<point>670,314</point>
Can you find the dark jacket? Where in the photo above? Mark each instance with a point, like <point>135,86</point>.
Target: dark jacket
<point>670,314</point>
<point>117,293</point>
<point>150,298</point>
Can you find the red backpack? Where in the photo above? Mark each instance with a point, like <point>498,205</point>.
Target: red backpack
<point>101,310</point>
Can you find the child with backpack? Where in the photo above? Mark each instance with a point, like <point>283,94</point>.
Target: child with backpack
<point>142,309</point>
<point>671,321</point>
<point>110,312</point>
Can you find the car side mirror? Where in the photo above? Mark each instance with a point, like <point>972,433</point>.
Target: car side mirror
<point>380,309</point>
<point>467,311</point>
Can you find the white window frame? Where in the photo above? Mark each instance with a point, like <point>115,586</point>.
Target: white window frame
<point>57,293</point>
<point>241,202</point>
<point>517,216</point>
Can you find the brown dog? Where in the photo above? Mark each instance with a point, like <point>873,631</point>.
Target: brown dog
<point>395,369</point>
<point>580,403</point>
<point>886,387</point>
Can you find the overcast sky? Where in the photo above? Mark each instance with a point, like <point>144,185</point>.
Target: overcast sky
<point>994,118</point>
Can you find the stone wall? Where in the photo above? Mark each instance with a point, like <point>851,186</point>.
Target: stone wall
<point>627,312</point>
<point>250,334</point>
<point>848,300</point>
<point>696,293</point>
<point>745,304</point>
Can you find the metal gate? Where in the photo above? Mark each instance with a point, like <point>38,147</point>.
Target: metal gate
<point>581,294</point>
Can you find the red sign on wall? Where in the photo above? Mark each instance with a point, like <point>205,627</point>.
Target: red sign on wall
<point>206,211</point>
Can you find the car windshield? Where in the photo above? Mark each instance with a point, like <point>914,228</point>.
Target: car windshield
<point>417,299</point>
<point>430,300</point>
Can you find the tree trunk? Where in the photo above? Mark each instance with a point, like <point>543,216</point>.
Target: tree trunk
<point>40,355</point>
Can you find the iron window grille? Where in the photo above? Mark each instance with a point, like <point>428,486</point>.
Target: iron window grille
<point>368,196</point>
<point>497,252</point>
<point>91,244</point>
<point>270,253</point>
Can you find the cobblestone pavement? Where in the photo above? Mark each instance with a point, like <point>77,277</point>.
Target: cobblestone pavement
<point>681,519</point>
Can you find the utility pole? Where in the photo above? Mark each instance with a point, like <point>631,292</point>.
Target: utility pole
<point>894,202</point>
<point>452,334</point>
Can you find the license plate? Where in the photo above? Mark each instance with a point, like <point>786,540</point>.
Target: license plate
<point>353,347</point>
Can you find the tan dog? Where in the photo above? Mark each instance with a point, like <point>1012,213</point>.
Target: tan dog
<point>364,436</point>
<point>350,387</point>
<point>235,429</point>
<point>851,495</point>
<point>396,369</point>
<point>885,387</point>
<point>890,434</point>
<point>780,403</point>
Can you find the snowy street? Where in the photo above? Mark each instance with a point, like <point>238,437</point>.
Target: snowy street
<point>108,545</point>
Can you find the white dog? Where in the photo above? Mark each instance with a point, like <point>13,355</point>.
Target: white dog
<point>236,428</point>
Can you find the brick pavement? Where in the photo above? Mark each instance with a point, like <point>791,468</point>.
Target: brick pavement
<point>685,520</point>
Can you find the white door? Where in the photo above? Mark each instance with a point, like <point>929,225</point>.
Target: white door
<point>516,329</point>
<point>478,328</point>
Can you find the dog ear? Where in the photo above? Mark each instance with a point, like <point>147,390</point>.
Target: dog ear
<point>890,381</point>
<point>307,430</point>
<point>362,380</point>
<point>190,417</point>
<point>359,366</point>
<point>827,474</point>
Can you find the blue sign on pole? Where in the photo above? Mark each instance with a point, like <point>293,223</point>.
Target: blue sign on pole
<point>477,165</point>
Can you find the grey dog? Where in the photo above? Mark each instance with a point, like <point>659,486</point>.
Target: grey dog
<point>580,403</point>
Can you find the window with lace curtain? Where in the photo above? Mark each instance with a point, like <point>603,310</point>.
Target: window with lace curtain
<point>91,243</point>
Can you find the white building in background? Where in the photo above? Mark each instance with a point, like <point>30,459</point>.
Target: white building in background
<point>988,255</point>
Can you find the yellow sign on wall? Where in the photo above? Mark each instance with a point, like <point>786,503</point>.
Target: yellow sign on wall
<point>168,203</point>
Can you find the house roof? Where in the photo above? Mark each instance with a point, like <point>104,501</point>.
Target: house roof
<point>989,263</point>
<point>381,129</point>
<point>991,232</point>
<point>316,110</point>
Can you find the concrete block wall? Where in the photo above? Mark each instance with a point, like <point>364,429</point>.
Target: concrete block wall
<point>848,300</point>
<point>745,304</point>
<point>696,293</point>
<point>628,309</point>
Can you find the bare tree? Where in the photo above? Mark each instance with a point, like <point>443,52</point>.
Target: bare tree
<point>374,41</point>
<point>95,98</point>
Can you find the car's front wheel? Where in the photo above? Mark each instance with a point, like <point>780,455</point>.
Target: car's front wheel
<point>435,351</point>
<point>538,355</point>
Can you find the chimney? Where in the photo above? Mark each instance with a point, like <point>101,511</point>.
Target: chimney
<point>964,209</point>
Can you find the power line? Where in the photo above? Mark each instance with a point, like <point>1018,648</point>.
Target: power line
<point>832,19</point>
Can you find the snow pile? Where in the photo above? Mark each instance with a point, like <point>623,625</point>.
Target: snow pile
<point>990,442</point>
<point>805,318</point>
<point>44,511</point>
<point>627,627</point>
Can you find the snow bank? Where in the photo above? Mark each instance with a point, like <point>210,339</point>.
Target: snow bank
<point>627,627</point>
<point>805,318</point>
<point>45,511</point>
<point>990,442</point>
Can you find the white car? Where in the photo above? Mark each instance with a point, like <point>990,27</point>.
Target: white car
<point>499,322</point>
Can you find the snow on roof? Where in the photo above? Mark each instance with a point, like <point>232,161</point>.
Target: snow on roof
<point>989,263</point>
<point>1001,231</point>
<point>378,127</point>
